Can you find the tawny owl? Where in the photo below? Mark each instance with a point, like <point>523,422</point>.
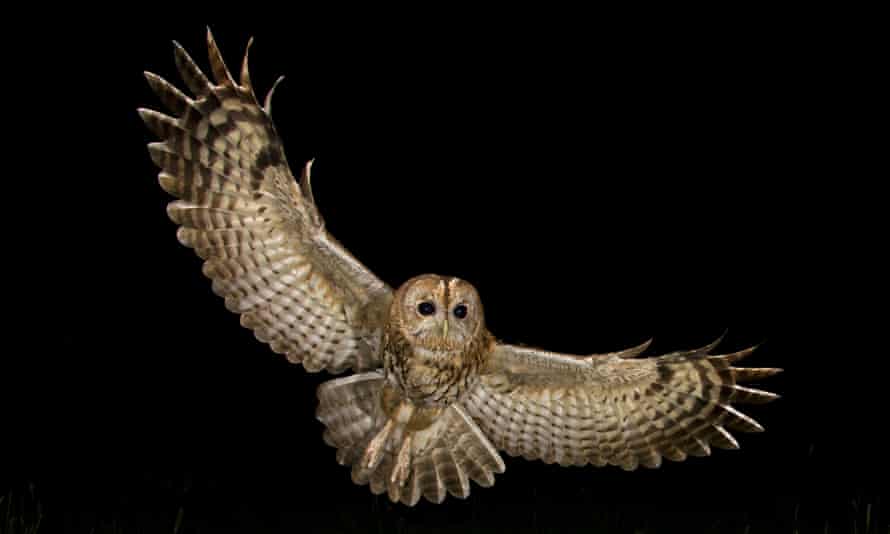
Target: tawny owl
<point>436,395</point>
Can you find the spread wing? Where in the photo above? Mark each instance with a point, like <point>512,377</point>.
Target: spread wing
<point>614,408</point>
<point>258,230</point>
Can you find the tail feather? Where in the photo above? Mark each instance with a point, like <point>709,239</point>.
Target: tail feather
<point>349,408</point>
<point>453,477</point>
<point>430,482</point>
<point>441,459</point>
<point>408,494</point>
<point>476,472</point>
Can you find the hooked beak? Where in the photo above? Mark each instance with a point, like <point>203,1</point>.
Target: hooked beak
<point>445,328</point>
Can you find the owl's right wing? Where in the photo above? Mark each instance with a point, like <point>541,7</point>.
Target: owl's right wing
<point>613,408</point>
<point>258,230</point>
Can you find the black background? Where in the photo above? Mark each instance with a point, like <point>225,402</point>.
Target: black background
<point>600,180</point>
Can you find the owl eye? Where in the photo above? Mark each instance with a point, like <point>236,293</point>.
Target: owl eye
<point>460,311</point>
<point>426,308</point>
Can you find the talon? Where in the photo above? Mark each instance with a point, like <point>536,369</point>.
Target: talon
<point>403,463</point>
<point>374,452</point>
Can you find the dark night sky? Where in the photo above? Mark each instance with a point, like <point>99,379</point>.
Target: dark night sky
<point>614,184</point>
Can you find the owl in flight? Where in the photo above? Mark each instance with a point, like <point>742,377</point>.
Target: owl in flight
<point>435,395</point>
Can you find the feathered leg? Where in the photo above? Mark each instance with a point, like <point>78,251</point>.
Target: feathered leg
<point>401,449</point>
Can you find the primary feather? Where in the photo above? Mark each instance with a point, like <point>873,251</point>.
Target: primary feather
<point>608,409</point>
<point>262,239</point>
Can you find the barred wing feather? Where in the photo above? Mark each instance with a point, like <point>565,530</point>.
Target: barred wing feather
<point>614,408</point>
<point>261,236</point>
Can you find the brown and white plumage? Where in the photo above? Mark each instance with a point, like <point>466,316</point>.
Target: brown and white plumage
<point>258,230</point>
<point>613,408</point>
<point>444,456</point>
<point>436,395</point>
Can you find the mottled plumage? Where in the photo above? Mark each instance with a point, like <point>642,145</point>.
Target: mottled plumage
<point>436,395</point>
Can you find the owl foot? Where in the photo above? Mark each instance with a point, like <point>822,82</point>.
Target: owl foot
<point>374,452</point>
<point>403,464</point>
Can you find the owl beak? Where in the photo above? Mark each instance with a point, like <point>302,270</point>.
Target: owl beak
<point>445,328</point>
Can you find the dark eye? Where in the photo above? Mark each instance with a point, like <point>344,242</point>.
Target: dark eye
<point>460,311</point>
<point>426,308</point>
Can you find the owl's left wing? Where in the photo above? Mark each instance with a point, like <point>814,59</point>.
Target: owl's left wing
<point>614,408</point>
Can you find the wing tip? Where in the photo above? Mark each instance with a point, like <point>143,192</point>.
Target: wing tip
<point>713,345</point>
<point>267,103</point>
<point>633,352</point>
<point>246,83</point>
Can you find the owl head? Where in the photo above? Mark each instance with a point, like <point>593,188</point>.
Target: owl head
<point>438,313</point>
